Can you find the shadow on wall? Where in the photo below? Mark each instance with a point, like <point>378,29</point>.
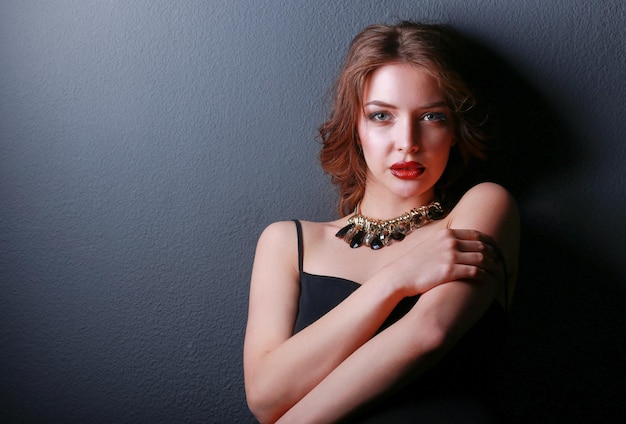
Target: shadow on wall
<point>563,361</point>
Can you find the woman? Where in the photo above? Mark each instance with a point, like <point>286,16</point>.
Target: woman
<point>385,313</point>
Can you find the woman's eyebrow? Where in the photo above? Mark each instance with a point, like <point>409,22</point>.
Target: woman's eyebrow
<point>388,105</point>
<point>439,103</point>
<point>381,104</point>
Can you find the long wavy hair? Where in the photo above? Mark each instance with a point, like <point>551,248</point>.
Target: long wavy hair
<point>440,51</point>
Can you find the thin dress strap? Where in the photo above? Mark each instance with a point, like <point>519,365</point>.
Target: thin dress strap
<point>300,248</point>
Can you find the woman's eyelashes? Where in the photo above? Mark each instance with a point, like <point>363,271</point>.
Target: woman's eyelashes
<point>434,117</point>
<point>429,116</point>
<point>380,117</point>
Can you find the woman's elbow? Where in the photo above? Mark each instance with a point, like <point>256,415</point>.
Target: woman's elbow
<point>435,342</point>
<point>262,414</point>
<point>260,410</point>
<point>264,407</point>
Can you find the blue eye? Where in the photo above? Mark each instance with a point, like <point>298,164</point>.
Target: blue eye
<point>379,116</point>
<point>435,116</point>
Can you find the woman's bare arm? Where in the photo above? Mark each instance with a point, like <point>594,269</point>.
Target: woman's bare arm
<point>280,368</point>
<point>440,317</point>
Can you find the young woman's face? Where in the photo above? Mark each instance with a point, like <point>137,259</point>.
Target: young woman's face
<point>405,131</point>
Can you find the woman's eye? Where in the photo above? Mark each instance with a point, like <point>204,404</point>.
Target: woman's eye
<point>435,116</point>
<point>380,116</point>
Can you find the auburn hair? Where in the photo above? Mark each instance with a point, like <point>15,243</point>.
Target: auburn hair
<point>440,51</point>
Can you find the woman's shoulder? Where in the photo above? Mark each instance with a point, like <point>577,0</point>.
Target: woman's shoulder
<point>484,197</point>
<point>276,250</point>
<point>282,231</point>
<point>484,206</point>
<point>278,233</point>
<point>487,189</point>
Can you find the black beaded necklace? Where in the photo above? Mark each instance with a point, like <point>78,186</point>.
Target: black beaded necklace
<point>377,234</point>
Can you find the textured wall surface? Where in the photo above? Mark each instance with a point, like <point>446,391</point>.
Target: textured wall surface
<point>144,145</point>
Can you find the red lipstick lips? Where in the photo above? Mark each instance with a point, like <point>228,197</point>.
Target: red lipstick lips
<point>407,170</point>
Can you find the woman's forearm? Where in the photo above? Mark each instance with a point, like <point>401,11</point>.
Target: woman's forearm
<point>279,378</point>
<point>367,373</point>
<point>411,345</point>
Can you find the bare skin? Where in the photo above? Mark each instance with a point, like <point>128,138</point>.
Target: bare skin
<point>323,372</point>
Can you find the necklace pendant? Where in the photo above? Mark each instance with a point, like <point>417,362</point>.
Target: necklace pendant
<point>377,234</point>
<point>397,236</point>
<point>357,239</point>
<point>342,233</point>
<point>384,237</point>
<point>368,239</point>
<point>376,243</point>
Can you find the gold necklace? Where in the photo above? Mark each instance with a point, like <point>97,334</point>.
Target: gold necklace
<point>377,233</point>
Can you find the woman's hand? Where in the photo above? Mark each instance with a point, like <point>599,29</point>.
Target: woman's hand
<point>460,273</point>
<point>450,255</point>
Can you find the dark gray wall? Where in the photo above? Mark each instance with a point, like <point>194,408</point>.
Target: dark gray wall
<point>144,145</point>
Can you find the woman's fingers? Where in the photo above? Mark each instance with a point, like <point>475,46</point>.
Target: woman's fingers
<point>453,254</point>
<point>479,251</point>
<point>475,241</point>
<point>470,272</point>
<point>472,235</point>
<point>490,264</point>
<point>477,254</point>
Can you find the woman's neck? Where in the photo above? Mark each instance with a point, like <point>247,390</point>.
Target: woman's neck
<point>383,207</point>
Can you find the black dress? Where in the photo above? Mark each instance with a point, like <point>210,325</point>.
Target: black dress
<point>460,388</point>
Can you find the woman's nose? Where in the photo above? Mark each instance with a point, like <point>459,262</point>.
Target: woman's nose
<point>408,137</point>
